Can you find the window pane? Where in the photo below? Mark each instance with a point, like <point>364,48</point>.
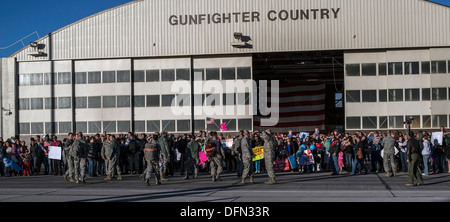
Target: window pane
<point>353,122</point>
<point>426,121</point>
<point>139,126</point>
<point>183,74</point>
<point>109,126</point>
<point>245,124</point>
<point>438,67</point>
<point>167,100</point>
<point>212,74</point>
<point>426,94</point>
<point>153,126</point>
<point>123,126</point>
<point>353,69</point>
<point>199,75</point>
<point>395,95</point>
<point>94,102</point>
<point>24,80</point>
<point>183,100</point>
<point>382,95</point>
<point>48,103</point>
<point>396,122</point>
<point>139,76</point>
<point>109,102</point>
<point>439,120</point>
<point>168,125</point>
<point>153,101</point>
<point>64,78</point>
<point>353,96</point>
<point>123,101</point>
<point>228,73</point>
<point>95,127</point>
<point>229,99</point>
<point>212,99</point>
<point>230,124</point>
<point>412,94</point>
<point>370,122</point>
<point>382,69</point>
<point>152,75</point>
<point>244,98</point>
<point>383,122</point>
<point>167,75</point>
<point>65,127</point>
<point>199,99</point>
<point>215,126</point>
<point>244,73</point>
<point>81,127</point>
<point>426,67</point>
<point>199,124</point>
<point>37,103</point>
<point>48,77</point>
<point>123,76</point>
<point>369,69</point>
<point>37,128</point>
<point>49,127</point>
<point>415,121</point>
<point>183,125</point>
<point>439,93</point>
<point>369,96</point>
<point>109,77</point>
<point>36,79</point>
<point>24,128</point>
<point>411,68</point>
<point>395,68</point>
<point>81,102</point>
<point>94,77</point>
<point>139,101</point>
<point>80,78</point>
<point>64,103</point>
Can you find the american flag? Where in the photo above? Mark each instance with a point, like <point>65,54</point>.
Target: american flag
<point>301,108</point>
<point>209,120</point>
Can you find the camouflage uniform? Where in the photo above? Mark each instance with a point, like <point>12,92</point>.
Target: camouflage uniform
<point>111,153</point>
<point>269,156</point>
<point>151,154</point>
<point>388,154</point>
<point>236,152</point>
<point>192,150</point>
<point>164,145</point>
<point>215,162</point>
<point>247,154</point>
<point>68,176</point>
<point>79,154</point>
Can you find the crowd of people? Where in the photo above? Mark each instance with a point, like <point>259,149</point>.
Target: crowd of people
<point>163,154</point>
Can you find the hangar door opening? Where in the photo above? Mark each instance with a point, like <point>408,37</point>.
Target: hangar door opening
<point>311,89</point>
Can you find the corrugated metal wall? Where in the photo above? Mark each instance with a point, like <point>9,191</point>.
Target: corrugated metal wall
<point>142,29</point>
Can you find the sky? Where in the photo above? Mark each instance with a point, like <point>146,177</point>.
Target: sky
<point>20,18</point>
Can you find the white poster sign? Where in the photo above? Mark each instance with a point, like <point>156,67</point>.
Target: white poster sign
<point>436,138</point>
<point>54,152</point>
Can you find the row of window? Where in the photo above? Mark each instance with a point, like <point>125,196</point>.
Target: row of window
<point>121,76</point>
<point>397,95</point>
<point>397,68</point>
<point>97,102</point>
<point>143,126</point>
<point>397,122</point>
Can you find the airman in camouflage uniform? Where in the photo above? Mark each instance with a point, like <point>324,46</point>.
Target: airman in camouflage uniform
<point>215,162</point>
<point>111,153</point>
<point>388,154</point>
<point>269,155</point>
<point>152,154</point>
<point>79,154</point>
<point>164,144</point>
<point>192,150</point>
<point>68,176</point>
<point>236,152</point>
<point>247,154</point>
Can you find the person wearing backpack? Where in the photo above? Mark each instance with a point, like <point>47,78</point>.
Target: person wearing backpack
<point>413,152</point>
<point>215,154</point>
<point>236,151</point>
<point>152,156</point>
<point>133,152</point>
<point>79,154</point>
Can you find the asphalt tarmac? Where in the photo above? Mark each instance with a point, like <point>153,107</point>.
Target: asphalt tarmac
<point>290,187</point>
